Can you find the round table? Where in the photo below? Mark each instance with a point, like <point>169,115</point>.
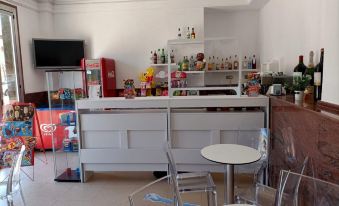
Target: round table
<point>230,154</point>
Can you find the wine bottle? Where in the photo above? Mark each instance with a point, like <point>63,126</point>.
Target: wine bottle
<point>300,69</point>
<point>155,57</point>
<point>163,57</point>
<point>318,76</point>
<point>222,65</point>
<point>245,63</point>
<point>254,62</point>
<point>310,68</point>
<point>172,57</point>
<point>217,65</point>
<point>193,34</point>
<point>236,63</point>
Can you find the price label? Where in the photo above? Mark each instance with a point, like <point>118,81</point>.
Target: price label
<point>317,78</point>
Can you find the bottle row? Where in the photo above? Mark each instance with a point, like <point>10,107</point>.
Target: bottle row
<point>186,33</point>
<point>230,64</point>
<point>312,72</point>
<point>161,57</point>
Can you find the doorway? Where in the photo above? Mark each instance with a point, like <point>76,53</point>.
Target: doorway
<point>11,89</point>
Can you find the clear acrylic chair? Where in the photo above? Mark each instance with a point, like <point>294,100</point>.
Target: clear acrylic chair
<point>13,185</point>
<point>265,195</point>
<point>197,182</point>
<point>312,191</point>
<point>158,192</point>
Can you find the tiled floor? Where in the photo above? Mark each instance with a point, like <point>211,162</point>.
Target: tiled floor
<point>111,189</point>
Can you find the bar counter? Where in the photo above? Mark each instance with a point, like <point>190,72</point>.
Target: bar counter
<point>118,134</point>
<point>300,130</point>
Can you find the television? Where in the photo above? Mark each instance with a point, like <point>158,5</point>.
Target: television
<point>58,53</point>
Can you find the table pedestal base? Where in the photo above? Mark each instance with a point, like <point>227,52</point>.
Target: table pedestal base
<point>229,184</point>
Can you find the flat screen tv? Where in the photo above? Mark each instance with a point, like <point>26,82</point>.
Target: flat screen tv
<point>58,54</point>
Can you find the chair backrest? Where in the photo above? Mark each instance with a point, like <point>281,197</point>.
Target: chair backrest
<point>313,191</point>
<point>14,175</point>
<point>294,189</point>
<point>173,171</point>
<point>259,139</point>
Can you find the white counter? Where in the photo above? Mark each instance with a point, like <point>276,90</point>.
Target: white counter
<point>173,102</point>
<point>118,134</point>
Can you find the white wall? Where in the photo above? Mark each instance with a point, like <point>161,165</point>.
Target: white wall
<point>290,28</point>
<point>330,37</point>
<point>244,25</point>
<point>127,32</point>
<point>34,80</point>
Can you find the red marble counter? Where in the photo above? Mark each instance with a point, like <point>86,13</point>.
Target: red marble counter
<point>300,130</point>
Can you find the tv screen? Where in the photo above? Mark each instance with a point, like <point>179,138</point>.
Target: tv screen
<point>58,54</point>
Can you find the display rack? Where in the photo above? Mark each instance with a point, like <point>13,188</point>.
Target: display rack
<point>64,87</point>
<point>199,80</point>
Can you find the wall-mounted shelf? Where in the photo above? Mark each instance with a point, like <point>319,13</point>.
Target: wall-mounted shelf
<point>184,41</point>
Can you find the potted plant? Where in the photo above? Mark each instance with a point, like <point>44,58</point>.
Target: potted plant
<point>298,86</point>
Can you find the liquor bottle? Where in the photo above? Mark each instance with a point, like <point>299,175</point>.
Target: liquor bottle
<point>172,57</point>
<point>163,57</point>
<point>209,64</point>
<point>213,63</point>
<point>245,63</point>
<point>254,63</point>
<point>191,64</point>
<point>310,68</point>
<point>217,64</point>
<point>193,34</point>
<point>249,63</point>
<point>236,63</point>
<point>227,64</point>
<point>179,33</point>
<point>318,76</point>
<point>185,64</point>
<point>300,69</point>
<point>188,34</point>
<point>155,58</point>
<point>159,57</point>
<point>230,63</point>
<point>222,65</point>
<point>151,58</point>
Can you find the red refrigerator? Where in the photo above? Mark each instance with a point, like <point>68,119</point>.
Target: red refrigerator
<point>99,77</point>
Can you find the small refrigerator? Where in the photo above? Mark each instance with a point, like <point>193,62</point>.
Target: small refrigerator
<point>100,78</point>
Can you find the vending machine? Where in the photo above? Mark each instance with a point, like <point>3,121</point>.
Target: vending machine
<point>99,77</point>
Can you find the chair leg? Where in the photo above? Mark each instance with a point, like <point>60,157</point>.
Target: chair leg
<point>208,198</point>
<point>22,195</point>
<point>9,202</point>
<point>215,199</point>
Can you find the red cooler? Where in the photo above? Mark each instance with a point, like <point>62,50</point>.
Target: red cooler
<point>100,77</point>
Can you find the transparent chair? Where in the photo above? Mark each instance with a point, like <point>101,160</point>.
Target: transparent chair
<point>162,192</point>
<point>191,182</point>
<point>13,185</point>
<point>312,191</point>
<point>265,195</point>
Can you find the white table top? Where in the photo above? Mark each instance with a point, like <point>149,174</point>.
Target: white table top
<point>230,154</point>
